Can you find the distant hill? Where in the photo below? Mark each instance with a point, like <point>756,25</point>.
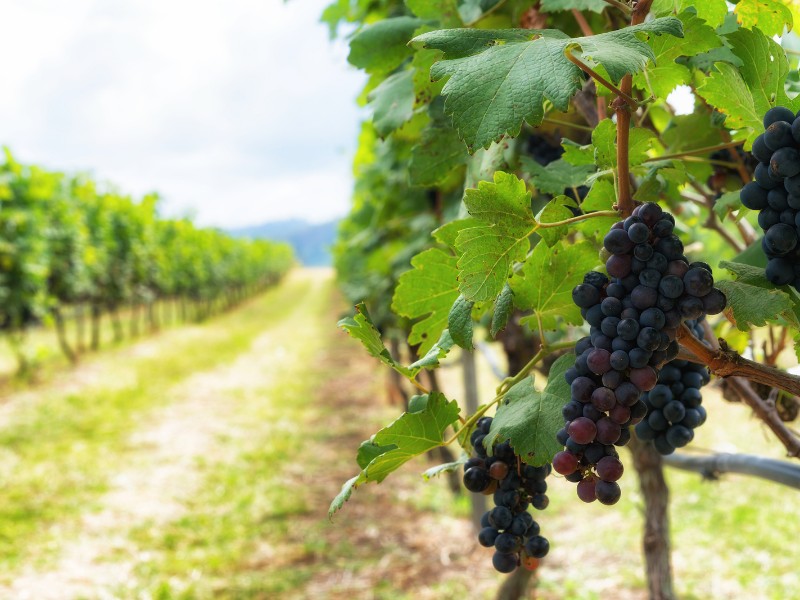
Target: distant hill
<point>311,241</point>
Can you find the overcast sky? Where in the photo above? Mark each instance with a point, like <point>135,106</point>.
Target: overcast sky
<point>238,112</point>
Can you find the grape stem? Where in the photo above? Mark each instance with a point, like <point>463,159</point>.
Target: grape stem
<point>704,150</point>
<point>599,213</point>
<point>739,371</point>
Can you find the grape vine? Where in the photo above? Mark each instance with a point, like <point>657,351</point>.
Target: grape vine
<point>569,231</point>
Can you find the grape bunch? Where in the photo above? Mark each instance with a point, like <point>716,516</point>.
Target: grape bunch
<point>775,193</point>
<point>634,316</point>
<point>515,486</point>
<point>674,405</point>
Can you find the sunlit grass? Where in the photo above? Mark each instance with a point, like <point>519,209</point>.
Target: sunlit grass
<point>59,449</point>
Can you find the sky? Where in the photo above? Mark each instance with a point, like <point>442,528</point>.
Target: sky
<point>236,112</point>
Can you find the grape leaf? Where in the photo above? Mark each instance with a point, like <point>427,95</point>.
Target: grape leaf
<point>725,90</point>
<point>447,233</point>
<point>428,290</point>
<point>726,203</point>
<point>604,143</point>
<point>445,468</point>
<point>459,322</point>
<point>664,74</point>
<point>500,78</point>
<point>556,384</point>
<point>601,196</point>
<point>411,435</point>
<point>557,176</point>
<point>502,310</point>
<point>392,102</point>
<point>745,93</point>
<point>575,154</point>
<point>362,328</point>
<point>753,305</point>
<point>770,16</point>
<point>369,450</point>
<point>712,12</point>
<point>550,6</point>
<point>382,46</point>
<point>764,68</point>
<point>488,250</point>
<point>544,284</point>
<point>438,351</point>
<point>530,419</point>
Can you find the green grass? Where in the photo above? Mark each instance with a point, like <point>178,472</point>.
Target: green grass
<point>250,499</point>
<point>59,449</point>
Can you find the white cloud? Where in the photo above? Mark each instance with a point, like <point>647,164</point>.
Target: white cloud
<point>242,110</point>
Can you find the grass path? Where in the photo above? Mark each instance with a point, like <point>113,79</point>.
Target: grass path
<point>115,441</point>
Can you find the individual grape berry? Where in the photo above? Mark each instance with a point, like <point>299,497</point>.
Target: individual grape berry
<point>608,492</point>
<point>586,489</point>
<point>785,162</point>
<point>760,150</point>
<point>476,479</point>
<point>781,239</point>
<point>777,113</point>
<point>609,468</point>
<point>537,547</point>
<point>778,135</point>
<point>487,536</point>
<point>565,463</point>
<point>505,563</point>
<point>582,430</point>
<point>698,282</point>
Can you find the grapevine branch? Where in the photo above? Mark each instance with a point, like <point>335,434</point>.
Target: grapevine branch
<point>622,108</point>
<point>710,466</point>
<point>727,363</point>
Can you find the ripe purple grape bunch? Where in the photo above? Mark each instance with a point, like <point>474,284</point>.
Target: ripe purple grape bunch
<point>634,315</point>
<point>508,528</point>
<point>775,193</point>
<point>674,405</point>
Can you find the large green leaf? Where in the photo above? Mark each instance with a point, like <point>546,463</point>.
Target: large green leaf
<point>428,290</point>
<point>753,305</point>
<point>744,93</point>
<point>530,419</point>
<point>544,284</point>
<point>664,74</point>
<point>409,436</point>
<point>500,78</point>
<point>502,210</point>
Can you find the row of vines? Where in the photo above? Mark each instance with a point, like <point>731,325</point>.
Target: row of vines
<point>69,246</point>
<point>524,178</point>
